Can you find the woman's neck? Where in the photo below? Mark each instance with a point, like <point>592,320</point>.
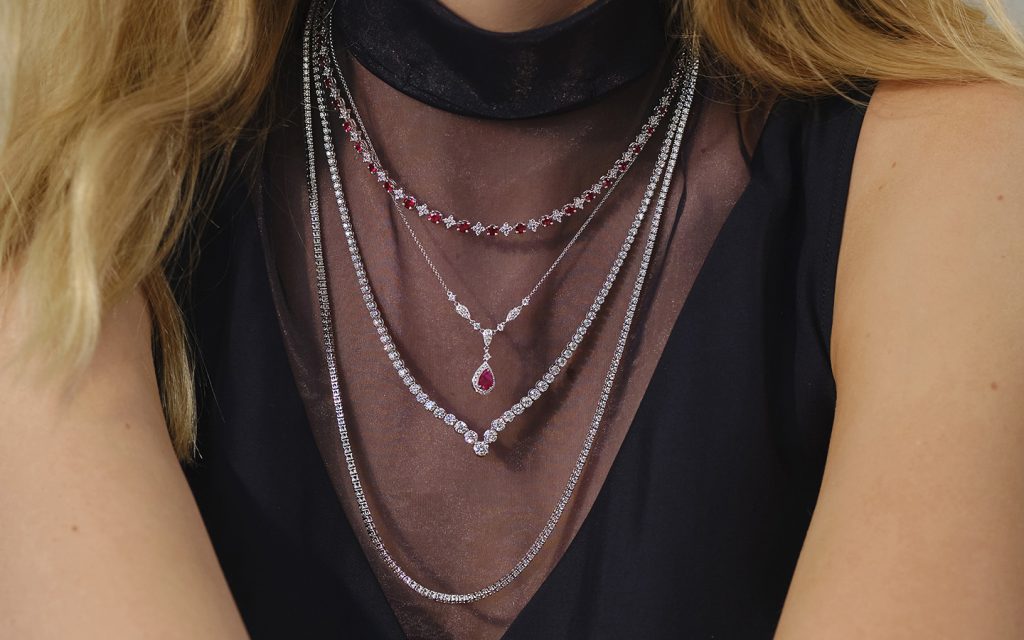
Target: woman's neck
<point>507,16</point>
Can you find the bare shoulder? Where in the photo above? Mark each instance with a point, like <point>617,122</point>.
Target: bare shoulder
<point>100,531</point>
<point>918,527</point>
<point>936,194</point>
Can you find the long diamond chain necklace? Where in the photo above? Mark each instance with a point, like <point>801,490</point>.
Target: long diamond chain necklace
<point>663,173</point>
<point>484,379</point>
<point>404,199</point>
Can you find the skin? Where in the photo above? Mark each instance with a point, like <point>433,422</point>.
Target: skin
<point>919,525</point>
<point>101,537</point>
<point>506,16</point>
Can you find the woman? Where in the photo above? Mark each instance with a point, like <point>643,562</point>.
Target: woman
<point>279,233</point>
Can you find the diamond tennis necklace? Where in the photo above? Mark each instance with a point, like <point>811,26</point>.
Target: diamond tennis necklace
<point>351,124</point>
<point>479,441</point>
<point>663,173</point>
<point>484,379</point>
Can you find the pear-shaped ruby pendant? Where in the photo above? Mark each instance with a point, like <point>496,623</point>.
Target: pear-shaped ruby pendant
<point>483,379</point>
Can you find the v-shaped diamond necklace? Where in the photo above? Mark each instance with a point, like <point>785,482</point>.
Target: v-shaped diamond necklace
<point>479,441</point>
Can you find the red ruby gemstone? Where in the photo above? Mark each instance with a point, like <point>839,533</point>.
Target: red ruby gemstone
<point>486,380</point>
<point>464,227</point>
<point>662,110</point>
<point>589,196</point>
<point>607,182</point>
<point>491,230</point>
<point>435,217</point>
<point>409,202</point>
<point>387,186</point>
<point>569,210</point>
<point>649,129</point>
<point>372,167</point>
<point>520,228</point>
<point>547,221</point>
<point>347,126</point>
<point>623,166</point>
<point>359,147</point>
<point>634,147</point>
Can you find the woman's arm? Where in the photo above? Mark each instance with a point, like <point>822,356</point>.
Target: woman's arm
<point>919,527</point>
<point>99,534</point>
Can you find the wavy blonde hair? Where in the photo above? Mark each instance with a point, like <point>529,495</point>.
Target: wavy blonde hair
<point>114,112</point>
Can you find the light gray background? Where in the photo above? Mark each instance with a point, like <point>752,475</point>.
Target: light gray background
<point>1016,9</point>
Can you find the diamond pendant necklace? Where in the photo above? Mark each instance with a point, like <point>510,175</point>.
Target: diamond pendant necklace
<point>345,107</point>
<point>480,442</point>
<point>663,173</point>
<point>484,379</point>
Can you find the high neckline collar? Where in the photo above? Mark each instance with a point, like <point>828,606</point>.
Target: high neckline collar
<point>422,49</point>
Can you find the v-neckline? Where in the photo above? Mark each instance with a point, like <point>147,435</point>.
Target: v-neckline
<point>380,602</point>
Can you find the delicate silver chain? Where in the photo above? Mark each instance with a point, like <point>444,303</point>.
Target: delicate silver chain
<point>663,173</point>
<point>480,442</point>
<point>403,199</point>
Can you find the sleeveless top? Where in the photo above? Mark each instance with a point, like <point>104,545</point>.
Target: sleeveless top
<point>696,528</point>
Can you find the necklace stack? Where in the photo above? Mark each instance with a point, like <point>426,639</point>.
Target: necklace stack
<point>314,44</point>
<point>484,378</point>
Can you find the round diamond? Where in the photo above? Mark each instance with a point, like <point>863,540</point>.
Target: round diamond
<point>535,393</point>
<point>439,413</point>
<point>450,420</point>
<point>497,425</point>
<point>429,405</point>
<point>518,408</point>
<point>470,436</point>
<point>421,397</point>
<point>490,435</point>
<point>417,389</point>
<point>508,416</point>
<point>461,427</point>
<point>480,448</point>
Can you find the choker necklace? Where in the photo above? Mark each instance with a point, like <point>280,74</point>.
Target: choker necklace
<point>484,379</point>
<point>662,175</point>
<point>358,135</point>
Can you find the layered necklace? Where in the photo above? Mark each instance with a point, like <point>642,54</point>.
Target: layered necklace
<point>314,59</point>
<point>484,379</point>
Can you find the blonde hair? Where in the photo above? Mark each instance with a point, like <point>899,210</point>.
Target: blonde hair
<point>110,109</point>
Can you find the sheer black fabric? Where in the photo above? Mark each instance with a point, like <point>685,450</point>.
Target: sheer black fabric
<point>694,507</point>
